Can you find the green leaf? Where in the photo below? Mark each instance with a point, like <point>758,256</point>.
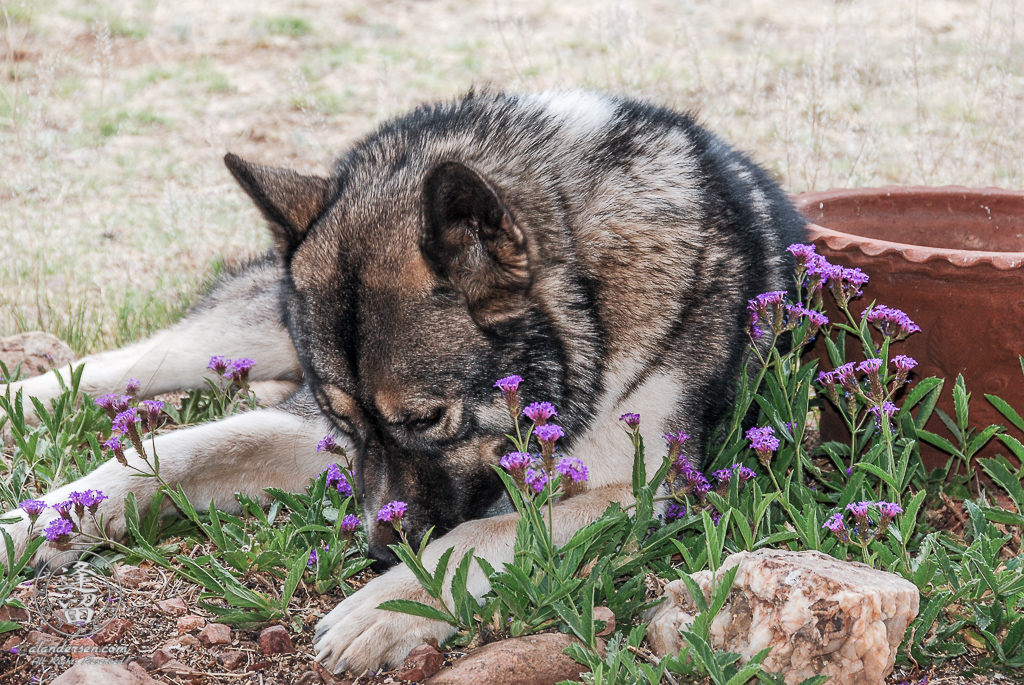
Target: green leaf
<point>938,441</point>
<point>998,470</point>
<point>408,606</point>
<point>1006,410</point>
<point>703,654</point>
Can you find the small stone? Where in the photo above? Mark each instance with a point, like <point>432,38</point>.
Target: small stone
<point>232,659</point>
<point>275,640</point>
<point>83,642</point>
<point>174,607</point>
<point>176,667</point>
<point>215,634</point>
<point>161,657</point>
<point>608,616</point>
<point>422,662</point>
<point>532,659</point>
<point>113,631</point>
<point>180,642</point>
<point>309,678</point>
<point>132,576</point>
<point>9,613</point>
<point>95,671</point>
<point>35,637</point>
<point>186,624</point>
<point>37,352</point>
<point>820,616</point>
<point>11,642</point>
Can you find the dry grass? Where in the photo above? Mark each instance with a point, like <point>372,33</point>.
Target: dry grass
<point>114,116</point>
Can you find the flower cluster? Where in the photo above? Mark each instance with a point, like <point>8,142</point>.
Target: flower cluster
<point>764,442</point>
<point>865,528</point>
<point>892,323</point>
<point>338,480</point>
<point>234,370</point>
<point>531,472</point>
<point>772,311</point>
<point>60,529</point>
<point>392,513</point>
<point>127,414</point>
<point>724,476</point>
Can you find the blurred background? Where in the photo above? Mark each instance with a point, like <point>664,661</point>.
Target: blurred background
<point>115,207</point>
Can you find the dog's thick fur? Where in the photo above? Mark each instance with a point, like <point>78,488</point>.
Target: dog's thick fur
<point>603,249</point>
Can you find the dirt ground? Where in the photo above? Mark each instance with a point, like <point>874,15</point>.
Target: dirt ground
<point>115,115</point>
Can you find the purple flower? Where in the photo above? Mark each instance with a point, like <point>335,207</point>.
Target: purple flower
<point>336,479</point>
<point>132,387</point>
<point>516,461</point>
<point>675,446</point>
<point>846,284</point>
<point>573,469</point>
<point>885,411</point>
<point>836,525</point>
<point>715,516</point>
<point>239,370</point>
<point>125,421</point>
<point>33,507</point>
<point>151,410</point>
<point>803,253</point>
<point>767,309</point>
<point>392,512</point>
<point>508,384</point>
<point>548,433</point>
<point>674,512</point>
<point>870,366</point>
<point>859,509</point>
<point>631,420</point>
<point>219,364</point>
<point>888,511</point>
<point>744,473</point>
<point>350,523</point>
<point>893,323</point>
<point>796,312</point>
<point>722,475</point>
<point>115,446</point>
<point>694,482</point>
<point>903,362</point>
<point>763,439</point>
<point>540,412</point>
<point>64,508</point>
<point>764,442</point>
<point>312,558</point>
<point>90,499</point>
<point>849,471</point>
<point>329,444</point>
<point>536,479</point>
<point>845,375</point>
<point>113,404</point>
<point>58,530</point>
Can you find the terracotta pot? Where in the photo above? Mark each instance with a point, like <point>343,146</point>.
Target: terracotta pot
<point>953,259</point>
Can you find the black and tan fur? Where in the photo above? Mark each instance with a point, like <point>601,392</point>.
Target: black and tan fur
<point>604,249</point>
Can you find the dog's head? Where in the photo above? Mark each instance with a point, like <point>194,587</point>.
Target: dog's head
<point>406,298</point>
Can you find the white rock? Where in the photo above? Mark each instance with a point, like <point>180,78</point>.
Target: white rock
<point>820,616</point>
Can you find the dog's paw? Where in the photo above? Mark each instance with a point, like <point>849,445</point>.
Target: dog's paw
<point>356,636</point>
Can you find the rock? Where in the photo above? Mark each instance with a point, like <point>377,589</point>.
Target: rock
<point>309,678</point>
<point>422,662</point>
<point>820,616</point>
<point>608,616</point>
<point>173,607</point>
<point>190,622</point>
<point>232,659</point>
<point>37,352</point>
<point>12,642</point>
<point>161,657</point>
<point>275,640</point>
<point>9,613</point>
<point>137,670</point>
<point>180,642</point>
<point>103,672</point>
<point>132,576</point>
<point>177,668</point>
<point>113,631</point>
<point>35,637</point>
<point>216,634</point>
<point>90,647</point>
<point>529,660</point>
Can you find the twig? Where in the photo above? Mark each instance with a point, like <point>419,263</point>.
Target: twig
<point>650,658</point>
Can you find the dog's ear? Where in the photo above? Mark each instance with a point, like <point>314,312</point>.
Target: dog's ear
<point>471,238</point>
<point>289,201</point>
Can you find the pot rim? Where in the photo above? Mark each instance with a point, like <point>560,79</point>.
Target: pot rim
<point>873,247</point>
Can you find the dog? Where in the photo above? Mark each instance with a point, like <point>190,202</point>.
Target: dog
<point>602,248</point>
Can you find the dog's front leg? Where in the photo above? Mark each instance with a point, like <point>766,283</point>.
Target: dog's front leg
<point>244,453</point>
<point>357,636</point>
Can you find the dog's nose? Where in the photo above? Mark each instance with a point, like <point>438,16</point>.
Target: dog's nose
<point>382,536</point>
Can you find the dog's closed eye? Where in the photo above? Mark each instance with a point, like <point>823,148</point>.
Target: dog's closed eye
<point>422,424</point>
